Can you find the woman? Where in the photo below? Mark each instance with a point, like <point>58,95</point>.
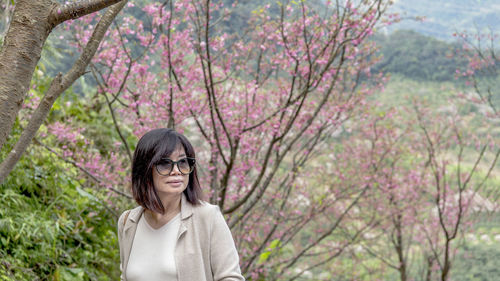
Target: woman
<point>172,234</point>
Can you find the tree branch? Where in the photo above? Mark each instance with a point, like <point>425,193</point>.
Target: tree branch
<point>58,86</point>
<point>71,11</point>
<point>87,172</point>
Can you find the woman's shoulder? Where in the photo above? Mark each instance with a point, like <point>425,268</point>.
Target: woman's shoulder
<point>206,211</point>
<point>128,213</point>
<point>205,207</point>
<point>208,216</point>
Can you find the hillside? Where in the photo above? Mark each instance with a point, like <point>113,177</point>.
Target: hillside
<point>444,17</point>
<point>417,56</point>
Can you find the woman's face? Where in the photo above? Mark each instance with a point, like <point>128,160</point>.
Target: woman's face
<point>175,183</point>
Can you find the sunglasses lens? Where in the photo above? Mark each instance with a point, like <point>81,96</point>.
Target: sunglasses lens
<point>164,167</point>
<point>184,166</point>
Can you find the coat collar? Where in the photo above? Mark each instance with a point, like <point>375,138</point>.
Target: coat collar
<point>186,207</point>
<point>131,227</point>
<point>135,214</point>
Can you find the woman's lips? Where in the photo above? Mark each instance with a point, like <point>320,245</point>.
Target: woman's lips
<point>174,182</point>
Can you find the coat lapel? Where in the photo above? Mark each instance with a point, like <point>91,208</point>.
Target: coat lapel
<point>131,227</point>
<point>129,233</point>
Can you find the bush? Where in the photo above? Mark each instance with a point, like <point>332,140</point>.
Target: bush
<point>479,262</point>
<point>51,228</point>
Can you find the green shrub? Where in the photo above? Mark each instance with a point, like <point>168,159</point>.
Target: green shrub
<point>51,228</point>
<point>479,262</point>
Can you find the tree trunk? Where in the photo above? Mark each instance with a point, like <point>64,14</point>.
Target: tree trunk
<point>399,248</point>
<point>31,24</point>
<point>447,264</point>
<point>19,56</point>
<point>430,261</point>
<point>57,87</point>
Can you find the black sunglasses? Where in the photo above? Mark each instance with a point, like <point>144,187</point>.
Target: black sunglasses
<point>185,165</point>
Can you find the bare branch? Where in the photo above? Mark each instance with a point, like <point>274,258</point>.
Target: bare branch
<point>330,231</point>
<point>117,127</point>
<point>91,176</point>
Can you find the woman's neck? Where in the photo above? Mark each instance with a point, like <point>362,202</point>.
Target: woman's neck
<point>172,208</point>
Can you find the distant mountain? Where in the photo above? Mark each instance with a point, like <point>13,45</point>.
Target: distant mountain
<point>444,17</point>
<point>417,56</point>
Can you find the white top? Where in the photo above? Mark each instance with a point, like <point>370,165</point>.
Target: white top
<point>152,254</point>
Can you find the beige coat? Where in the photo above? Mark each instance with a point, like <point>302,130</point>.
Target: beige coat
<point>205,249</point>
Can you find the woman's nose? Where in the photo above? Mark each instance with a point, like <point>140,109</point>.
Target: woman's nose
<point>175,169</point>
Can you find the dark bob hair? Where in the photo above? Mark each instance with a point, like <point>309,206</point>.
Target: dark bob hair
<point>152,147</point>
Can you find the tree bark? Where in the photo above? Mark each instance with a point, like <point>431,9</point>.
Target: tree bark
<point>20,53</point>
<point>57,87</point>
<point>78,9</point>
<point>32,22</point>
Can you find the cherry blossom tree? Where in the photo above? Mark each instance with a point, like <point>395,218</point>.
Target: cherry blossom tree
<point>397,199</point>
<point>288,146</point>
<point>260,106</point>
<point>426,188</point>
<point>455,184</point>
<point>481,72</point>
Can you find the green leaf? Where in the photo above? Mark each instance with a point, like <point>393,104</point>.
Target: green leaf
<point>272,246</point>
<point>264,256</point>
<point>5,242</point>
<point>86,194</point>
<point>275,243</point>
